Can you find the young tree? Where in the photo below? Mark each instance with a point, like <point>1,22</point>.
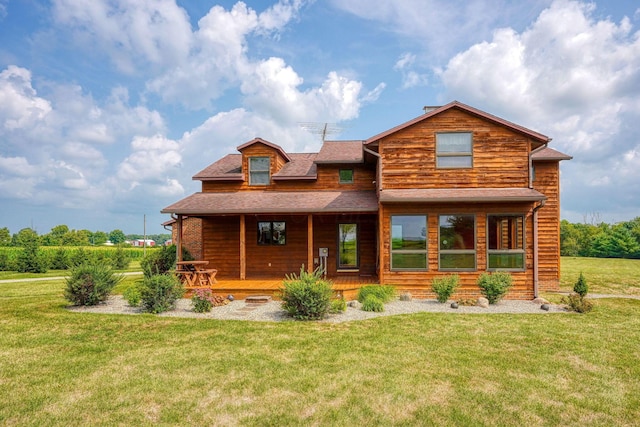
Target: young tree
<point>5,237</point>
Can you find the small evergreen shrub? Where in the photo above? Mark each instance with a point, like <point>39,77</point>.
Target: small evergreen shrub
<point>494,286</point>
<point>120,259</point>
<point>445,286</point>
<point>306,296</point>
<point>159,292</point>
<point>338,306</point>
<point>31,259</point>
<point>372,303</point>
<point>60,260</point>
<point>90,284</point>
<point>132,295</point>
<point>578,303</point>
<point>581,288</point>
<point>80,257</point>
<point>384,293</point>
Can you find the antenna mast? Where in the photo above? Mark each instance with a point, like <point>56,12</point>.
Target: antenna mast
<point>322,129</point>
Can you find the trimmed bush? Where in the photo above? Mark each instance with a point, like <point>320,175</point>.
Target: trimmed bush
<point>384,293</point>
<point>581,288</point>
<point>372,303</point>
<point>578,303</point>
<point>306,296</point>
<point>90,284</point>
<point>160,292</point>
<point>338,306</point>
<point>132,295</point>
<point>444,287</point>
<point>494,286</point>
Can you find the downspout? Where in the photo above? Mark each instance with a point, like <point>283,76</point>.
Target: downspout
<point>378,190</point>
<point>535,248</point>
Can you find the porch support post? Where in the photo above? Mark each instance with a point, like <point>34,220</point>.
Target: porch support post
<point>243,250</point>
<point>380,249</point>
<point>310,266</point>
<point>179,238</point>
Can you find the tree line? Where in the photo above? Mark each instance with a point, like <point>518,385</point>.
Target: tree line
<point>602,240</point>
<point>61,235</point>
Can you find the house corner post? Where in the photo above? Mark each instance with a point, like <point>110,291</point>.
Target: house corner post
<point>310,265</point>
<point>243,249</point>
<point>179,238</point>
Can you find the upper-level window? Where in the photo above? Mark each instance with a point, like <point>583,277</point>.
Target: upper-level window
<point>506,242</point>
<point>259,168</point>
<point>346,176</point>
<point>454,150</point>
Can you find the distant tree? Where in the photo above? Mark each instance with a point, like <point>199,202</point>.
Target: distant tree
<point>5,237</point>
<point>117,236</point>
<point>76,238</point>
<point>54,237</point>
<point>98,238</point>
<point>24,236</point>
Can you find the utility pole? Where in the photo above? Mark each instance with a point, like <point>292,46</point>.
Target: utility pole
<point>144,239</point>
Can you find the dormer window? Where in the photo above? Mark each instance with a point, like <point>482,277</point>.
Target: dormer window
<point>454,150</point>
<point>259,169</point>
<point>346,176</point>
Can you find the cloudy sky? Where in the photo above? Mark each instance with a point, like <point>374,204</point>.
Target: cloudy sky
<point>109,107</point>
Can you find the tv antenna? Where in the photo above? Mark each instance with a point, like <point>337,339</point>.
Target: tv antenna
<point>322,129</point>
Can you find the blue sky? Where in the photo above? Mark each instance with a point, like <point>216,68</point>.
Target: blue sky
<point>108,108</point>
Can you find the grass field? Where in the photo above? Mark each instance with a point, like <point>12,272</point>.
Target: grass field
<point>604,275</point>
<point>64,368</point>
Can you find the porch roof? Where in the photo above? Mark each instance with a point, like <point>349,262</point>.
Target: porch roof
<point>468,195</point>
<point>281,202</point>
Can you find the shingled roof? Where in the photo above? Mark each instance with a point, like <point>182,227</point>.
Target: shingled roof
<point>466,195</point>
<point>280,202</point>
<point>550,154</point>
<point>341,152</point>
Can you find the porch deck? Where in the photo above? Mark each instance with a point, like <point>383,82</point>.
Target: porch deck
<point>346,287</point>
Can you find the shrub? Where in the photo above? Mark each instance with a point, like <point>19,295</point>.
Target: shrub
<point>80,257</point>
<point>159,292</point>
<point>384,293</point>
<point>132,295</point>
<point>581,288</point>
<point>203,300</point>
<point>120,259</point>
<point>578,303</point>
<point>306,296</point>
<point>494,286</point>
<point>372,303</point>
<point>445,286</point>
<point>162,261</point>
<point>338,306</point>
<point>31,259</point>
<point>60,260</point>
<point>90,284</point>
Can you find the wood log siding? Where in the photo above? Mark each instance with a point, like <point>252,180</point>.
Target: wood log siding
<point>547,181</point>
<point>419,282</point>
<point>500,156</point>
<point>222,234</point>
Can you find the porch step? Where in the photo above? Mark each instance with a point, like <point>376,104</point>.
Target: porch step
<point>257,299</point>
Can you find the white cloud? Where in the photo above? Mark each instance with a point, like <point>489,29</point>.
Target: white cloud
<point>571,76</point>
<point>129,31</point>
<point>410,78</point>
<point>20,107</point>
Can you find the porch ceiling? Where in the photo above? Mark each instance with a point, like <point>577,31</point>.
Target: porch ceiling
<point>467,195</point>
<point>245,202</point>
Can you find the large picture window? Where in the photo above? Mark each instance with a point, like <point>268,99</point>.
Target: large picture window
<point>272,233</point>
<point>506,242</point>
<point>408,242</point>
<point>457,237</point>
<point>454,150</point>
<point>259,168</point>
<point>348,246</point>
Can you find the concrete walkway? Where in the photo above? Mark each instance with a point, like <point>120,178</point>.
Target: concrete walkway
<point>43,279</point>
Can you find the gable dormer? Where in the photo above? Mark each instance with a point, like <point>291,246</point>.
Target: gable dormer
<point>261,160</point>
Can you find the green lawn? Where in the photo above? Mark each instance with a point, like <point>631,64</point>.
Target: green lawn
<point>604,275</point>
<point>63,368</point>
